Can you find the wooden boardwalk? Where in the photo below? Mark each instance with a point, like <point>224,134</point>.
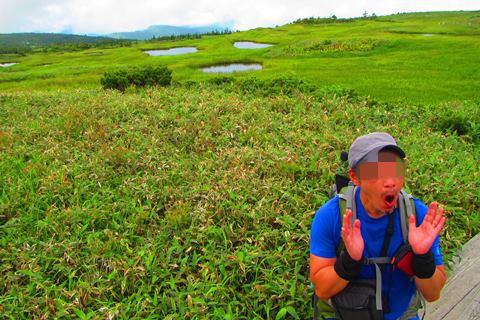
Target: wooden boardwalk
<point>460,298</point>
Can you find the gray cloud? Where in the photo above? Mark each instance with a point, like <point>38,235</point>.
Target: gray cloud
<point>104,16</point>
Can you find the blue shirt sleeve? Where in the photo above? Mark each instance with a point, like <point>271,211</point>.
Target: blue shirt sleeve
<point>325,230</point>
<point>421,209</point>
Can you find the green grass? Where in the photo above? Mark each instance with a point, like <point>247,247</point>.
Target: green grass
<point>196,202</point>
<point>388,58</point>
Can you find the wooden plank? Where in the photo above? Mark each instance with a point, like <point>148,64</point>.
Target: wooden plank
<point>460,298</point>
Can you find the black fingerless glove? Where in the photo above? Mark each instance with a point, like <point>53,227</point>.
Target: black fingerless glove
<point>423,265</point>
<point>346,267</point>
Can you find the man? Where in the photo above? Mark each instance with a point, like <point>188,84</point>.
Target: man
<point>376,166</point>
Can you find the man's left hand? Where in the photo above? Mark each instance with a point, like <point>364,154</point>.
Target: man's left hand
<point>421,238</point>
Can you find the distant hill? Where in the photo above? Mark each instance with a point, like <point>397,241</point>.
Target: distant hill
<point>23,43</point>
<point>47,39</point>
<point>166,30</point>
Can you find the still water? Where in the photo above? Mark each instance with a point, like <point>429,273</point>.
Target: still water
<point>234,67</point>
<point>172,51</point>
<point>250,45</point>
<point>7,64</point>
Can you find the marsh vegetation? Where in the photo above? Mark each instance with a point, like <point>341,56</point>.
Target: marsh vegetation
<point>185,194</point>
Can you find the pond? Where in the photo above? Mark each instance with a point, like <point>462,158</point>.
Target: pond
<point>171,52</point>
<point>7,64</point>
<point>97,53</point>
<point>234,67</point>
<point>250,45</point>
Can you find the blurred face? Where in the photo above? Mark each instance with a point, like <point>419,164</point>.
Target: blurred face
<point>381,182</point>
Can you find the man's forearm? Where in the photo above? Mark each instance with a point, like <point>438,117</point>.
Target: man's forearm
<point>430,288</point>
<point>327,283</point>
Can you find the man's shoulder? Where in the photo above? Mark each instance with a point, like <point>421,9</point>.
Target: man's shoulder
<point>325,230</point>
<point>329,212</point>
<point>418,202</point>
<point>421,210</point>
<point>332,206</point>
<point>420,207</point>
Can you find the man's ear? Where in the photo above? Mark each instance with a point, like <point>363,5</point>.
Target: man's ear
<point>353,176</point>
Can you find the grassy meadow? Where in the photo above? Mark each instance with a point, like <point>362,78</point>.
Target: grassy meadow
<point>194,201</point>
<point>415,58</point>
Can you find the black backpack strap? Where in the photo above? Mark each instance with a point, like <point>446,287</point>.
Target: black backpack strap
<point>388,234</point>
<point>382,261</point>
<point>340,183</point>
<point>314,304</point>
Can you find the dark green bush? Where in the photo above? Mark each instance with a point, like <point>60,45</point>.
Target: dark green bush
<point>279,86</point>
<point>138,77</point>
<point>461,119</point>
<point>115,80</point>
<point>282,85</point>
<point>221,80</point>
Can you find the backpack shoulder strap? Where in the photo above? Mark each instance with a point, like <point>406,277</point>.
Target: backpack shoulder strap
<point>346,199</point>
<point>351,191</point>
<point>407,208</point>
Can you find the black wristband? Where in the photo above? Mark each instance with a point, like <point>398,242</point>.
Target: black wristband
<point>423,265</point>
<point>347,268</point>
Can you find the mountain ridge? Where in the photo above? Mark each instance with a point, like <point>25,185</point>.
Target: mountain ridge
<point>168,30</point>
<point>42,39</point>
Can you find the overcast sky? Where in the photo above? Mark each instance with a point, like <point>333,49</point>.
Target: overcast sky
<point>105,16</point>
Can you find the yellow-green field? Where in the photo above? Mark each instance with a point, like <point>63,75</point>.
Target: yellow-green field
<point>414,58</point>
<point>194,201</point>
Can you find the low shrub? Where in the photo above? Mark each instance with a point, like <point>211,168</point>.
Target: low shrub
<point>221,80</point>
<point>287,86</point>
<point>138,77</point>
<point>283,85</point>
<point>460,119</point>
<point>115,80</point>
<point>335,91</point>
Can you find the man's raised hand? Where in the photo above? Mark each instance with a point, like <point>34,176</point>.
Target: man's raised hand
<point>352,237</point>
<point>421,238</point>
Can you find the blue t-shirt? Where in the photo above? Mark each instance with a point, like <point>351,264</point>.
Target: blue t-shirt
<point>397,286</point>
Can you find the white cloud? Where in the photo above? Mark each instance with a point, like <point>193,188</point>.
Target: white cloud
<point>104,16</point>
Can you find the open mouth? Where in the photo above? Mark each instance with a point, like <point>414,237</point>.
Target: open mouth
<point>389,200</point>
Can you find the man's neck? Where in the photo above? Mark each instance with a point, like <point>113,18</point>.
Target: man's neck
<point>369,208</point>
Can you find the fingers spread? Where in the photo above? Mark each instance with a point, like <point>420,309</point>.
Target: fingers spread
<point>356,228</point>
<point>440,225</point>
<point>438,216</point>
<point>412,222</point>
<point>347,218</point>
<point>432,211</point>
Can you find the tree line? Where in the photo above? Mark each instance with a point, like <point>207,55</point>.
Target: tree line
<point>333,19</point>
<point>186,36</point>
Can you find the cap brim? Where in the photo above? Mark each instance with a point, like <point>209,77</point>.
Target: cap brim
<point>372,156</point>
<point>395,149</point>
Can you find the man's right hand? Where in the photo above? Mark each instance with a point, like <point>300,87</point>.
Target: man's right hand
<point>352,236</point>
<point>329,275</point>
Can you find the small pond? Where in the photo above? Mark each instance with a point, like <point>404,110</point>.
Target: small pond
<point>97,53</point>
<point>172,51</point>
<point>428,35</point>
<point>8,64</point>
<point>234,67</point>
<point>250,45</point>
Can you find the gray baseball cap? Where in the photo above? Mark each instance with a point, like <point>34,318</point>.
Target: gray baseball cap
<point>366,148</point>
